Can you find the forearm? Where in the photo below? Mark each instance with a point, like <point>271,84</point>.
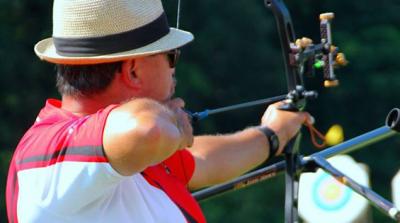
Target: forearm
<point>223,157</point>
<point>138,134</point>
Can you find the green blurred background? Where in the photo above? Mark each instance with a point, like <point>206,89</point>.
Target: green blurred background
<point>235,57</point>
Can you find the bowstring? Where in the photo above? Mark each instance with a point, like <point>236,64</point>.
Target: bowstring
<point>178,14</point>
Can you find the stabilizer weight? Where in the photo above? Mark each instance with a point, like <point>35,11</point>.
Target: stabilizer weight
<point>393,119</point>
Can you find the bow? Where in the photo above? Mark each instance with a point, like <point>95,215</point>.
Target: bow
<point>301,57</point>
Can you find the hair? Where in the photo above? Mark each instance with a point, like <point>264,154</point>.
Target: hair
<point>85,80</point>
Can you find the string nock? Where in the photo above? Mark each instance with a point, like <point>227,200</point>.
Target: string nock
<point>197,116</point>
<point>327,16</point>
<point>189,113</point>
<point>331,83</point>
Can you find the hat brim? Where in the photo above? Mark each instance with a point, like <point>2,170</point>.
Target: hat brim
<point>176,38</point>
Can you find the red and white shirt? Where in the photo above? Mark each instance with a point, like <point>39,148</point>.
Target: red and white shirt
<point>59,173</point>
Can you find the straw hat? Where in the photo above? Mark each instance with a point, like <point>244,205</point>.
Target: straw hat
<point>99,31</point>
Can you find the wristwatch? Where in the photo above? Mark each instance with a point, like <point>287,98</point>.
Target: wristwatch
<point>273,139</point>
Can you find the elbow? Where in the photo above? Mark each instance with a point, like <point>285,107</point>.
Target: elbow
<point>153,142</point>
<point>132,144</point>
<point>162,140</point>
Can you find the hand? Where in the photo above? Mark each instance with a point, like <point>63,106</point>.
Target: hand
<point>285,124</point>
<point>183,121</point>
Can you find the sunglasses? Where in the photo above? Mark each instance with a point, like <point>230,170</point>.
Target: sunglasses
<point>173,56</point>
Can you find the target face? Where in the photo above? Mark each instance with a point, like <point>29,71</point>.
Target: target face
<point>329,194</point>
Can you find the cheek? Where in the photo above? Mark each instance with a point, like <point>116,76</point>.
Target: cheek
<point>165,85</point>
<point>158,79</point>
<point>159,87</point>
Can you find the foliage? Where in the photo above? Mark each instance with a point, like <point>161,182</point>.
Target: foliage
<point>235,57</point>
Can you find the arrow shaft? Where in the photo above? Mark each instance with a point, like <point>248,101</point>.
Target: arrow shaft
<point>247,104</point>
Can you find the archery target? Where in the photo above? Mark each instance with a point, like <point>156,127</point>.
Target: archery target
<point>396,190</point>
<point>324,199</point>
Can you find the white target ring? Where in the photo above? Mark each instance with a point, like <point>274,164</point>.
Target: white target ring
<point>324,199</point>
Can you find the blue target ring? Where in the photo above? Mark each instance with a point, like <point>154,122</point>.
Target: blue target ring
<point>329,194</point>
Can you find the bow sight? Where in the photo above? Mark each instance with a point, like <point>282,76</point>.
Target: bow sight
<point>302,57</point>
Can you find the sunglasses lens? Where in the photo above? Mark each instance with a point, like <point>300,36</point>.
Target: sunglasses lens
<point>173,57</point>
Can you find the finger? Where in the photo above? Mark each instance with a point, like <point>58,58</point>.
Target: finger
<point>280,103</point>
<point>185,128</point>
<point>183,117</point>
<point>307,117</point>
<point>178,102</point>
<point>189,135</point>
<point>277,105</point>
<point>175,103</point>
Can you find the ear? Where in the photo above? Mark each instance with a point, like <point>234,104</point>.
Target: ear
<point>129,76</point>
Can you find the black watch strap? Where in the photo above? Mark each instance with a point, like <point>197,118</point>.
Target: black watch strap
<point>273,139</point>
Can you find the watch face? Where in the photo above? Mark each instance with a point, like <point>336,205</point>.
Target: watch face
<point>275,142</point>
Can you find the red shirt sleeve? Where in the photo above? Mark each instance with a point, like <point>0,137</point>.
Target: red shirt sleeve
<point>182,165</point>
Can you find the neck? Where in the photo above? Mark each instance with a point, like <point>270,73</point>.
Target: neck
<point>83,105</point>
<point>116,93</point>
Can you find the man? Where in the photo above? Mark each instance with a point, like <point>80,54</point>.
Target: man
<point>118,147</point>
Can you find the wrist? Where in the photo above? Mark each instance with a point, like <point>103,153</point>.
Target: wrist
<point>273,140</point>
